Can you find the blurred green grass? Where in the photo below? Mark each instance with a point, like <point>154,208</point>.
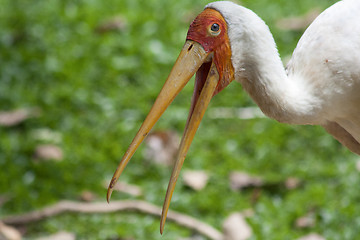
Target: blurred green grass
<point>94,89</point>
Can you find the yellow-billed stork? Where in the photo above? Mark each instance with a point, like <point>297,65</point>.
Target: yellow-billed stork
<point>226,42</point>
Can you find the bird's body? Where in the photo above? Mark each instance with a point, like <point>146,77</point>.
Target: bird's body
<point>328,58</point>
<point>226,42</point>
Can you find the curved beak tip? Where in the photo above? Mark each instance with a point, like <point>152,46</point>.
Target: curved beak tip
<point>108,195</point>
<point>110,189</point>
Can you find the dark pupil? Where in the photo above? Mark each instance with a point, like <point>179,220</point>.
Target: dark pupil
<point>215,27</point>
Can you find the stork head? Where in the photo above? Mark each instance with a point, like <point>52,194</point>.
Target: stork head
<point>207,53</point>
<point>210,31</point>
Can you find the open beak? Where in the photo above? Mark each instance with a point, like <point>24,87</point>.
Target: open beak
<point>193,58</point>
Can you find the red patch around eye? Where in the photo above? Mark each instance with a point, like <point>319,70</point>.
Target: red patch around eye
<point>218,44</point>
<point>199,29</point>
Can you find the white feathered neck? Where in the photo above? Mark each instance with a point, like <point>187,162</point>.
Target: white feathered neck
<point>259,69</point>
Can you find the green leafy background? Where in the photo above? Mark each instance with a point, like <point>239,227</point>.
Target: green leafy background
<point>94,90</point>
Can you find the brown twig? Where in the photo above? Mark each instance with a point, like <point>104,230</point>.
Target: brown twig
<point>104,207</point>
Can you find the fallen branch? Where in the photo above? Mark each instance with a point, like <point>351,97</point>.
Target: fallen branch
<point>104,207</point>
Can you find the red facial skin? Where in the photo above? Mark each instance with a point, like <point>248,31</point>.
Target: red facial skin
<point>215,42</point>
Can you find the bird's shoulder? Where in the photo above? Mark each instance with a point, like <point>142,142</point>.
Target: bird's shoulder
<point>327,59</point>
<point>330,47</point>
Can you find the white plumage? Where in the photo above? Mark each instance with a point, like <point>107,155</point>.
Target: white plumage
<point>321,85</point>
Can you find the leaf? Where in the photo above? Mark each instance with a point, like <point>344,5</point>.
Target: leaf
<point>292,183</point>
<point>12,118</point>
<point>235,227</point>
<point>161,147</point>
<point>59,236</point>
<point>240,180</point>
<point>48,152</point>
<point>87,196</point>
<point>117,23</point>
<point>196,180</point>
<point>306,221</point>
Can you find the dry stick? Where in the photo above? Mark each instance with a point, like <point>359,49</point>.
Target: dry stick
<point>104,207</point>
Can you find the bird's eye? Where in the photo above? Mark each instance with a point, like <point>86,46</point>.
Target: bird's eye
<point>214,29</point>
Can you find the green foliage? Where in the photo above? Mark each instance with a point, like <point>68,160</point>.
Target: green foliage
<point>94,89</point>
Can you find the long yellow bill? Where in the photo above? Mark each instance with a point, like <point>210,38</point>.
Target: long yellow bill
<point>189,133</point>
<point>192,58</point>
